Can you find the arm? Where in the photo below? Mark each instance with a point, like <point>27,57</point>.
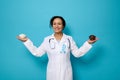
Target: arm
<point>30,46</point>
<point>33,49</point>
<point>78,52</point>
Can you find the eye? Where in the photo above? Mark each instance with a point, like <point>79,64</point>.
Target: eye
<point>59,23</point>
<point>54,23</point>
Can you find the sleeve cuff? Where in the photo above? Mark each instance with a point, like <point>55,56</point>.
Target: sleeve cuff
<point>27,42</point>
<point>88,45</point>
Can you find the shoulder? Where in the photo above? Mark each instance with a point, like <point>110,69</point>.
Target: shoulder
<point>68,36</point>
<point>48,37</point>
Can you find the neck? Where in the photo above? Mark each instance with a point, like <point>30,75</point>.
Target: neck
<point>58,36</point>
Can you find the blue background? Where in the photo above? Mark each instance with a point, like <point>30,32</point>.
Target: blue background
<point>83,17</point>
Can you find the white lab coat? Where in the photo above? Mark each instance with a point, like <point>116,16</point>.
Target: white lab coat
<point>59,65</point>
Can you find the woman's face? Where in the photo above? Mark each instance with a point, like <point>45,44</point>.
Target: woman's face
<point>57,25</point>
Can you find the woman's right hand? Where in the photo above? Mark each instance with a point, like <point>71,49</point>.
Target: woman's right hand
<point>23,39</point>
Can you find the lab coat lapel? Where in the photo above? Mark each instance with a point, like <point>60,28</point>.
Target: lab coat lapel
<point>55,41</point>
<point>63,38</point>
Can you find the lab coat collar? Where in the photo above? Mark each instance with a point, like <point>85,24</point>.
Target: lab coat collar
<point>62,39</point>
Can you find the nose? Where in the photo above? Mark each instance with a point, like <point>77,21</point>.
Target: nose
<point>56,25</point>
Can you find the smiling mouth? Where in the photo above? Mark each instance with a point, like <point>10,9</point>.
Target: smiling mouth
<point>57,28</point>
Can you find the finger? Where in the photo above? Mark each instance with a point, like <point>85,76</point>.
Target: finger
<point>94,40</point>
<point>18,37</point>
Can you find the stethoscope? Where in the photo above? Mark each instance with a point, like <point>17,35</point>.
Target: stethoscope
<point>52,43</point>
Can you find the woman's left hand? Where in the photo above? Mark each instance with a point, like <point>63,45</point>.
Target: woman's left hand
<point>92,41</point>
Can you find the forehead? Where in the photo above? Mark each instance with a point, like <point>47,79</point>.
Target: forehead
<point>57,20</point>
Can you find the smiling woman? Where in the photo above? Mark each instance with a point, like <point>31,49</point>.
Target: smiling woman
<point>58,47</point>
<point>83,17</point>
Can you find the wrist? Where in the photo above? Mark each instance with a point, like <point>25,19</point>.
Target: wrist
<point>90,42</point>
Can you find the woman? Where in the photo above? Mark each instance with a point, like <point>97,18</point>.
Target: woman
<point>58,47</point>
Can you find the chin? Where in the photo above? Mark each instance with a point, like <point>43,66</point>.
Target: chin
<point>58,31</point>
